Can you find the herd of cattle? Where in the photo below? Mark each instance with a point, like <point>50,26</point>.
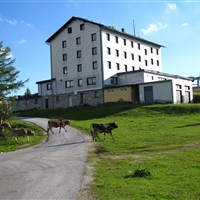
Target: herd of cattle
<point>59,123</point>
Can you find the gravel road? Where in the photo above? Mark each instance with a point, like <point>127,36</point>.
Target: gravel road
<point>53,170</point>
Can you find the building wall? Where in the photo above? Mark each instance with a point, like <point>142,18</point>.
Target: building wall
<point>92,98</point>
<point>87,58</point>
<point>27,104</point>
<point>162,91</point>
<point>117,94</point>
<point>129,53</point>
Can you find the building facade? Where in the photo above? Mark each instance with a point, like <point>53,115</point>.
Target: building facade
<point>87,57</point>
<point>92,63</point>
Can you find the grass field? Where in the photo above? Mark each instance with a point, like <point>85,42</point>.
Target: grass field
<point>9,144</point>
<point>161,140</point>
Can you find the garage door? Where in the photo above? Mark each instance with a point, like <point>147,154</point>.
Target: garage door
<point>148,94</point>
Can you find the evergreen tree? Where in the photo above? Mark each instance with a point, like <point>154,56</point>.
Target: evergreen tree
<point>8,81</point>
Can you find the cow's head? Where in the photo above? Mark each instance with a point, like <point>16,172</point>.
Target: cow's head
<point>114,125</point>
<point>31,133</point>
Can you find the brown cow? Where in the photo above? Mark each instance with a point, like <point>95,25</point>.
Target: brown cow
<point>4,126</point>
<point>55,123</point>
<point>102,128</point>
<point>17,132</point>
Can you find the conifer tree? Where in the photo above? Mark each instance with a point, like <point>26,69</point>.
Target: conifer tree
<point>8,81</point>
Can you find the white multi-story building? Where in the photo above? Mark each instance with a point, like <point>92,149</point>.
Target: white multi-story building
<point>87,57</point>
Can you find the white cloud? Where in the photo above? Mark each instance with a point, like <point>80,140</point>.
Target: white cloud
<point>153,28</point>
<point>171,6</point>
<point>22,41</point>
<point>14,22</point>
<point>185,24</point>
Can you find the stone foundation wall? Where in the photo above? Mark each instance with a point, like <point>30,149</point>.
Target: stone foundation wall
<point>91,98</point>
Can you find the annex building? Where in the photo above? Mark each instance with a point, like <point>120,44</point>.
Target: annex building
<point>92,63</point>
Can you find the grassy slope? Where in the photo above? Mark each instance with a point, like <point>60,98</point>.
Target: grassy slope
<point>8,144</point>
<point>164,139</point>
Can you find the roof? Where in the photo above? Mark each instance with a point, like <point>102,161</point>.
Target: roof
<point>100,25</point>
<point>46,81</point>
<point>157,73</point>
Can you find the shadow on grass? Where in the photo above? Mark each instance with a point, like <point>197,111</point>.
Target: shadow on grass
<point>82,112</point>
<point>188,125</point>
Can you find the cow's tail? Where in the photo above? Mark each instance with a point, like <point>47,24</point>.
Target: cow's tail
<point>92,132</point>
<point>48,130</point>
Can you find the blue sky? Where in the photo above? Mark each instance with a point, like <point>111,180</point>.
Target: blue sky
<point>25,25</point>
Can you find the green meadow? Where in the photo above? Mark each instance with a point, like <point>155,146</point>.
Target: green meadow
<point>156,153</point>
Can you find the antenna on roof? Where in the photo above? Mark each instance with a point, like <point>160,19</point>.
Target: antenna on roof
<point>134,27</point>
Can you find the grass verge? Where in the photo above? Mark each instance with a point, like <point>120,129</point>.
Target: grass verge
<point>8,144</point>
<point>163,140</point>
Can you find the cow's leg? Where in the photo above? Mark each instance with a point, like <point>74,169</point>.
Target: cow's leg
<point>16,139</point>
<point>112,136</point>
<point>92,133</point>
<point>104,135</point>
<point>65,129</point>
<point>52,131</point>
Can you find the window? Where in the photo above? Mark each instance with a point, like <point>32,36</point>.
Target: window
<point>94,65</point>
<point>151,50</point>
<point>64,44</point>
<point>94,37</point>
<point>65,70</point>
<point>64,57</point>
<point>69,84</point>
<point>79,68</point>
<point>108,50</point>
<point>108,36</point>
<point>82,97</point>
<point>80,82</point>
<point>82,27</point>
<point>49,86</point>
<point>94,51</point>
<point>91,81</point>
<point>157,62</point>
<point>138,45</point>
<point>139,58</point>
<point>69,30</point>
<point>117,52</point>
<point>133,68</point>
<point>132,45</point>
<point>145,52</point>
<point>109,64</point>
<point>151,61</point>
<point>124,42</point>
<point>187,87</point>
<point>146,63</point>
<point>114,80</point>
<point>157,51</point>
<point>116,39</point>
<point>125,54</point>
<point>57,98</point>
<point>132,56</point>
<point>96,94</point>
<point>117,64</point>
<point>78,54</point>
<point>126,68</point>
<point>78,40</point>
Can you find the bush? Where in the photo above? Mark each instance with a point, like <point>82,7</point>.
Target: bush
<point>196,97</point>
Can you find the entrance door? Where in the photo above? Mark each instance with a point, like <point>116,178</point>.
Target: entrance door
<point>148,94</point>
<point>46,103</point>
<point>70,101</point>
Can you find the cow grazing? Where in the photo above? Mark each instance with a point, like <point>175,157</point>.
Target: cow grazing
<point>55,123</point>
<point>4,126</point>
<point>102,128</point>
<point>21,132</point>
